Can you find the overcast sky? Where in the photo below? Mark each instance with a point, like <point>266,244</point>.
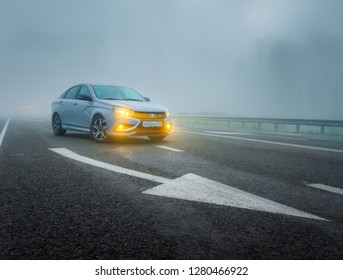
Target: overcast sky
<point>266,58</point>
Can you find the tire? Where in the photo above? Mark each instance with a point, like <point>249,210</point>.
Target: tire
<point>99,129</point>
<point>157,138</point>
<point>57,125</point>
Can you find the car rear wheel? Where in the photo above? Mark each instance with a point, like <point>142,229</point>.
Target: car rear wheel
<point>99,129</point>
<point>157,138</point>
<point>57,126</point>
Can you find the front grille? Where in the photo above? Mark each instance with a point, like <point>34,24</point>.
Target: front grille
<point>149,116</point>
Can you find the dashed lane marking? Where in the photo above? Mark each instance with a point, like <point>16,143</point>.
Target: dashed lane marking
<point>170,149</point>
<point>192,187</point>
<point>262,141</point>
<point>3,132</point>
<point>325,188</point>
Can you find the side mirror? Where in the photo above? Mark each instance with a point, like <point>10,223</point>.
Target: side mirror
<point>85,97</point>
<point>147,99</point>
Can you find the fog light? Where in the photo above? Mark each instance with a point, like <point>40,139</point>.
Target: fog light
<point>169,127</point>
<point>122,127</point>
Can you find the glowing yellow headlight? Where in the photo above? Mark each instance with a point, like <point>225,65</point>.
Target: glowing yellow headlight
<point>123,112</point>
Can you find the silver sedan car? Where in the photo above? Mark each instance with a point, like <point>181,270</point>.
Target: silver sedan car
<point>107,110</point>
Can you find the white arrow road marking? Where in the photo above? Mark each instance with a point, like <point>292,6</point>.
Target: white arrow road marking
<point>69,154</point>
<point>2,135</point>
<point>195,188</point>
<point>170,149</point>
<point>262,141</point>
<point>325,188</point>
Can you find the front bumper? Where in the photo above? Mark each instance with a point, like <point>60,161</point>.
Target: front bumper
<point>133,126</point>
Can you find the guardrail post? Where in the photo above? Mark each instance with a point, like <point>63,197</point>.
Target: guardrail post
<point>298,128</point>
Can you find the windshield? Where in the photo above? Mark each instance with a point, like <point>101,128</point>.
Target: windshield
<point>116,93</point>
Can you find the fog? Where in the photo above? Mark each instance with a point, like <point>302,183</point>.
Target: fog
<point>266,58</point>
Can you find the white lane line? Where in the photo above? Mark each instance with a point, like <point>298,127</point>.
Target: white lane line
<point>2,135</point>
<point>263,141</point>
<point>265,135</point>
<point>227,132</point>
<point>27,106</point>
<point>195,188</point>
<point>326,188</point>
<point>69,154</point>
<point>32,120</point>
<point>284,137</point>
<point>170,149</point>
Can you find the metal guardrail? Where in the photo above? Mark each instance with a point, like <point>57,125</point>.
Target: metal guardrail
<point>276,121</point>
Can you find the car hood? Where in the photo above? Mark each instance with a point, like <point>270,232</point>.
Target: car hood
<point>138,106</point>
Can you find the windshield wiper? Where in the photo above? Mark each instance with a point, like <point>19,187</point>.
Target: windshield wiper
<point>131,99</point>
<point>110,98</point>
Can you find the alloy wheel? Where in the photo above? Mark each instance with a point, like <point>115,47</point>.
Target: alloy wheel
<point>99,129</point>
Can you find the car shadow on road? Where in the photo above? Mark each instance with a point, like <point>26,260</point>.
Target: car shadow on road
<point>122,140</point>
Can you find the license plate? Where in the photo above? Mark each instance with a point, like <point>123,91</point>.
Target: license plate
<point>152,124</point>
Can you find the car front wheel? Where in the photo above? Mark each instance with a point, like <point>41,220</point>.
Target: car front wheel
<point>99,129</point>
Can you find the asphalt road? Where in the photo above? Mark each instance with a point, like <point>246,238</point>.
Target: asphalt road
<point>222,194</point>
